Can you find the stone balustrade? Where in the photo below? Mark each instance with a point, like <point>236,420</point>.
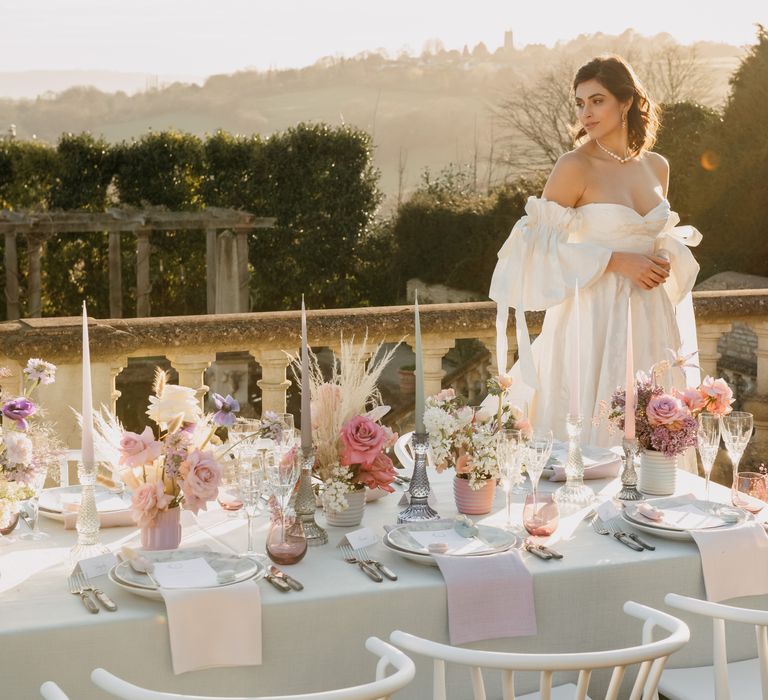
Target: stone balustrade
<point>190,343</point>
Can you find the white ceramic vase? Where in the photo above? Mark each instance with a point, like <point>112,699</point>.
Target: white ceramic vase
<point>351,516</point>
<point>658,473</point>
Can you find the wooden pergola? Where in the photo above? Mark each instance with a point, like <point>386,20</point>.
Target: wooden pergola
<point>36,227</point>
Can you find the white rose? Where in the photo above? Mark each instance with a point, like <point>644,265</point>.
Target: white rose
<point>175,401</point>
<point>464,416</point>
<point>18,447</point>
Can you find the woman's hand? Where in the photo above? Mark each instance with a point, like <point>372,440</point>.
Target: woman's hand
<point>646,271</point>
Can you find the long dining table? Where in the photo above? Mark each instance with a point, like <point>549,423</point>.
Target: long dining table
<point>314,639</point>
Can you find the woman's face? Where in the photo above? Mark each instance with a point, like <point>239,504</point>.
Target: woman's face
<point>597,109</point>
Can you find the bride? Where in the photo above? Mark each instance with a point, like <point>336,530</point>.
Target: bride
<point>603,222</point>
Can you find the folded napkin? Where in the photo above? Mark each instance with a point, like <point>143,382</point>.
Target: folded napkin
<point>212,627</point>
<point>734,561</point>
<point>599,462</point>
<point>111,518</point>
<point>489,597</point>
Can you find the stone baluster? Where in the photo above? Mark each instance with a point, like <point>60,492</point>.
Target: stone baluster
<point>115,276</point>
<point>11,277</point>
<point>243,274</point>
<point>709,337</point>
<point>434,348</point>
<point>191,369</point>
<point>490,342</point>
<point>143,284</point>
<point>757,403</point>
<point>273,382</point>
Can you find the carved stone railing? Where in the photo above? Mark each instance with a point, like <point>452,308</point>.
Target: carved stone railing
<point>190,343</point>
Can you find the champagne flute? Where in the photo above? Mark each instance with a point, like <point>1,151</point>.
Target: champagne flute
<point>251,482</point>
<point>283,469</point>
<point>536,452</point>
<point>508,456</point>
<point>708,442</point>
<point>31,509</point>
<point>737,431</point>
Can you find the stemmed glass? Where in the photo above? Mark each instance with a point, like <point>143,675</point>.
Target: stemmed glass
<point>508,456</point>
<point>283,468</point>
<point>536,451</point>
<point>737,431</point>
<point>31,508</point>
<point>708,442</point>
<point>251,483</point>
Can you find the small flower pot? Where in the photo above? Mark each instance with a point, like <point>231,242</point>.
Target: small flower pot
<point>658,473</point>
<point>351,516</point>
<point>473,502</point>
<point>407,381</point>
<point>166,531</point>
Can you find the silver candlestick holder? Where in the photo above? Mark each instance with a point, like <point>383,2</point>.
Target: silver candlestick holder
<point>629,490</point>
<point>419,509</point>
<point>574,492</point>
<point>306,504</point>
<point>87,525</point>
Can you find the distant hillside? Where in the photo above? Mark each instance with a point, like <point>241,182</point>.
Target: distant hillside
<point>425,111</point>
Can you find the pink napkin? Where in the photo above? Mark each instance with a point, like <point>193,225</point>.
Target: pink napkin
<point>734,561</point>
<point>212,627</point>
<point>110,518</point>
<point>489,596</point>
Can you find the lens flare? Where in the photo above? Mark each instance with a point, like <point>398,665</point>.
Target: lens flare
<point>710,160</point>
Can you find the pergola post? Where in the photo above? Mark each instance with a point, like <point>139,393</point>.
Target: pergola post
<point>210,270</point>
<point>115,276</point>
<point>11,277</point>
<point>34,253</point>
<point>143,285</point>
<point>243,276</point>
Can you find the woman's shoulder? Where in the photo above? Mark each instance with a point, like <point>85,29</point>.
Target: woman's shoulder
<point>568,179</point>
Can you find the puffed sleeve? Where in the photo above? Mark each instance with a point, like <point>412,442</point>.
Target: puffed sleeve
<point>538,267</point>
<point>677,241</point>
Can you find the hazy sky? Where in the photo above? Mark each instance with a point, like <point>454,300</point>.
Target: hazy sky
<point>201,37</point>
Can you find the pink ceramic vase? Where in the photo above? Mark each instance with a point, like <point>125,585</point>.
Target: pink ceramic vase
<point>165,533</point>
<point>471,502</point>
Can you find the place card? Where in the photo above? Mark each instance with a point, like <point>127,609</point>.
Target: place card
<point>363,537</point>
<point>453,540</point>
<point>187,573</point>
<point>97,566</point>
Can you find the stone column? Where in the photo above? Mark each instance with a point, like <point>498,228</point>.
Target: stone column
<point>227,275</point>
<point>757,403</point>
<point>273,382</point>
<point>34,253</point>
<point>709,336</point>
<point>191,369</point>
<point>115,276</point>
<point>433,350</point>
<point>210,270</point>
<point>490,343</point>
<point>243,273</point>
<point>143,284</point>
<point>11,277</point>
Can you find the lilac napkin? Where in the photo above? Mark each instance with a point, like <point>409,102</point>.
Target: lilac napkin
<point>489,596</point>
<point>734,561</point>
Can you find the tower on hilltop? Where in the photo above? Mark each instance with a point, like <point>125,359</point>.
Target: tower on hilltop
<point>508,43</point>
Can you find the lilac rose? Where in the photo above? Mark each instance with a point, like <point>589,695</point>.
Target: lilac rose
<point>19,410</point>
<point>666,410</point>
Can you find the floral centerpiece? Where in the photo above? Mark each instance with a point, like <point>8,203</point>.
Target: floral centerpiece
<point>27,445</point>
<point>349,439</point>
<point>179,467</point>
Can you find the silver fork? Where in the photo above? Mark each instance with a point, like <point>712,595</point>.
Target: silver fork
<point>369,571</point>
<point>86,585</point>
<point>619,533</point>
<point>76,589</point>
<point>598,525</point>
<point>362,554</point>
<point>622,536</point>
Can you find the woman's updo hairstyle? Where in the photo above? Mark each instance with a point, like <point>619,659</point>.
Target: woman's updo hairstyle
<point>617,76</point>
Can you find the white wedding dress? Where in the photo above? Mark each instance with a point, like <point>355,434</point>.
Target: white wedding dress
<point>552,247</point>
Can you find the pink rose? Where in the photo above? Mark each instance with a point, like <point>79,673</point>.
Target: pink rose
<point>379,473</point>
<point>692,398</point>
<point>200,476</point>
<point>505,381</point>
<point>137,450</point>
<point>445,395</point>
<point>147,501</point>
<point>363,440</point>
<point>718,395</point>
<point>666,410</point>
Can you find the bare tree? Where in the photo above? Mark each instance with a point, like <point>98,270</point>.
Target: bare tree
<point>675,73</point>
<point>402,161</point>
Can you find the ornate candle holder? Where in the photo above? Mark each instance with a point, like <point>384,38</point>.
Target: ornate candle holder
<point>306,505</point>
<point>574,491</point>
<point>88,542</point>
<point>419,509</point>
<point>629,490</point>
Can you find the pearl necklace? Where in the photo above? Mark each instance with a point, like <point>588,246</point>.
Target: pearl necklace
<point>612,154</point>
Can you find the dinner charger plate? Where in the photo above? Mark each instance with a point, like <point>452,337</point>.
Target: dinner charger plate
<point>51,504</point>
<point>399,540</point>
<point>231,568</point>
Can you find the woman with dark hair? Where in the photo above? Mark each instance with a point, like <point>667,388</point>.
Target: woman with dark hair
<point>603,223</point>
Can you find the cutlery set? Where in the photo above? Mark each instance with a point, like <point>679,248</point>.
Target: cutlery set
<point>372,568</point>
<point>282,581</point>
<point>541,551</point>
<point>629,539</point>
<point>79,585</point>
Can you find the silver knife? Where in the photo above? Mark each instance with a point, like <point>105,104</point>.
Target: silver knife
<point>548,550</point>
<point>278,583</point>
<point>536,551</point>
<point>626,540</point>
<point>641,541</point>
<point>292,582</point>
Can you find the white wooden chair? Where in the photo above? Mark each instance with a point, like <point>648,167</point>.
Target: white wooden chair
<point>383,687</point>
<point>404,451</point>
<point>50,691</point>
<point>738,680</point>
<point>649,655</point>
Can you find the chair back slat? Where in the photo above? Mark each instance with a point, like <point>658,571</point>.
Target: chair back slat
<point>640,681</point>
<point>545,685</point>
<point>615,685</point>
<point>438,680</point>
<point>508,685</point>
<point>478,687</point>
<point>654,676</point>
<point>583,684</point>
<point>720,660</point>
<point>762,654</point>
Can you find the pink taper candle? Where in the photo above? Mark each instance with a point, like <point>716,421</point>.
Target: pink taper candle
<point>87,453</point>
<point>306,411</point>
<point>575,409</point>
<point>629,406</point>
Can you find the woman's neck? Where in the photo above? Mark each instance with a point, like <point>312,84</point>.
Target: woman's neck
<point>617,142</point>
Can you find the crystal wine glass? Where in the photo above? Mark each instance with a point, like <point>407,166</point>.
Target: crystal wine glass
<point>540,517</point>
<point>536,451</point>
<point>737,431</point>
<point>708,442</point>
<point>283,468</point>
<point>31,509</point>
<point>508,456</point>
<point>251,484</point>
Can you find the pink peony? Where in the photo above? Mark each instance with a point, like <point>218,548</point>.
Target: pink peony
<point>147,501</point>
<point>505,381</point>
<point>445,395</point>
<point>137,450</point>
<point>379,473</point>
<point>718,395</point>
<point>692,398</point>
<point>666,410</point>
<point>363,440</point>
<point>200,476</point>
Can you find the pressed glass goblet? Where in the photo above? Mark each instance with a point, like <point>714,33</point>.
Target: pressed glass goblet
<point>283,468</point>
<point>31,510</point>
<point>708,442</point>
<point>749,491</point>
<point>737,431</point>
<point>508,456</point>
<point>540,514</point>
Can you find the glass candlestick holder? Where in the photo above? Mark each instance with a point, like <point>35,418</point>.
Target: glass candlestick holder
<point>88,541</point>
<point>306,505</point>
<point>629,491</point>
<point>418,508</point>
<point>574,491</point>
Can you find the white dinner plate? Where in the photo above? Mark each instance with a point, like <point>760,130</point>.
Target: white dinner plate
<point>52,501</point>
<point>231,567</point>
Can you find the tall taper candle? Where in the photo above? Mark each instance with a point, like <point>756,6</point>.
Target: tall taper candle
<point>419,371</point>
<point>575,409</point>
<point>87,454</point>
<point>629,404</point>
<point>306,392</point>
